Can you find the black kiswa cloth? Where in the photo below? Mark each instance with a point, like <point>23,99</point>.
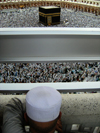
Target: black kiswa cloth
<point>49,15</point>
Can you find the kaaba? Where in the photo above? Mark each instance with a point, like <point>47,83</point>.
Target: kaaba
<point>49,15</point>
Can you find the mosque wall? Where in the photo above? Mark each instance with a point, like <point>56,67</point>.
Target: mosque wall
<point>83,5</point>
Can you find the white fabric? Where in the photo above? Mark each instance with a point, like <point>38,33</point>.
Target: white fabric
<point>43,104</point>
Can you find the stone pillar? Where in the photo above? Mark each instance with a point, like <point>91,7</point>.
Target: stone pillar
<point>83,9</point>
<point>46,3</point>
<point>97,12</point>
<point>75,8</point>
<point>8,6</point>
<point>90,10</point>
<point>15,6</point>
<point>87,10</point>
<point>64,5</point>
<point>60,4</point>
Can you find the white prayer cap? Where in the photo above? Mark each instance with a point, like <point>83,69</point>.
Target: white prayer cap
<point>43,104</point>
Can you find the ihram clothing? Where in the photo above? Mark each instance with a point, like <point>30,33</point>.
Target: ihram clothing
<point>13,117</point>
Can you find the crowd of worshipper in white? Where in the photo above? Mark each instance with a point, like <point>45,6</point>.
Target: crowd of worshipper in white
<point>49,72</point>
<point>29,17</point>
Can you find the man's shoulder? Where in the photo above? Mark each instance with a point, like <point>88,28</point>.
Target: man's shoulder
<point>14,101</point>
<point>13,117</point>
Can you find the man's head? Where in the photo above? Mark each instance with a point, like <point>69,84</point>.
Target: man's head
<point>43,109</point>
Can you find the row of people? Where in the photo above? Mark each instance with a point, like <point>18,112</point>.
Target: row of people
<point>49,72</point>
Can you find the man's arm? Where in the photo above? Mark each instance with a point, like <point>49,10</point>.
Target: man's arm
<point>13,117</point>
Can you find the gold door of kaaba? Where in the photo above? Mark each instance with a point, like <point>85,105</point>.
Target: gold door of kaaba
<point>49,20</point>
